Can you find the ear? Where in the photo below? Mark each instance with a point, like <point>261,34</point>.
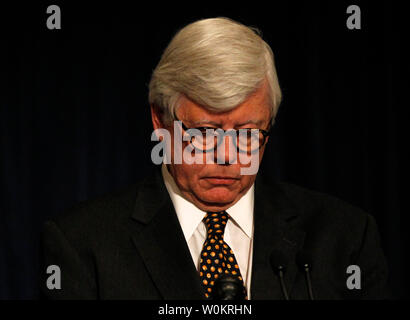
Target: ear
<point>156,116</point>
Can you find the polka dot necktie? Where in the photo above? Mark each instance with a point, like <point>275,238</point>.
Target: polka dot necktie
<point>217,257</point>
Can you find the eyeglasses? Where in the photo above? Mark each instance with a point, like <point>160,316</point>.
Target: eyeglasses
<point>207,139</point>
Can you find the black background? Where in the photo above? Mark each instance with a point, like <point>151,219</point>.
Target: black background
<point>75,122</point>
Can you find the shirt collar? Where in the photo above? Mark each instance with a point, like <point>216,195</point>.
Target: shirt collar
<point>242,212</point>
<point>188,214</point>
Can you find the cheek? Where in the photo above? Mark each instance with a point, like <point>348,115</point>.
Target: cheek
<point>187,175</point>
<point>246,182</point>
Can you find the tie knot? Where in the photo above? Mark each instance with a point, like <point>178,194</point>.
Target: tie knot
<point>216,222</point>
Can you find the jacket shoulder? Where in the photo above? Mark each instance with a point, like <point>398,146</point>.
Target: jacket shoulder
<point>91,221</point>
<point>327,215</point>
<point>311,202</point>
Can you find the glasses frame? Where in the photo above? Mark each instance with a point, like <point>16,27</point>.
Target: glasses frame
<point>265,134</point>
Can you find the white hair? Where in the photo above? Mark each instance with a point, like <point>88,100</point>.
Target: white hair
<point>216,63</point>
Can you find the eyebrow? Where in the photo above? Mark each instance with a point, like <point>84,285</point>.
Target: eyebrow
<point>209,122</point>
<point>256,122</point>
<point>202,122</point>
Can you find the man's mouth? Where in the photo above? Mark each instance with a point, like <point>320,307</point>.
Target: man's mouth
<point>221,180</point>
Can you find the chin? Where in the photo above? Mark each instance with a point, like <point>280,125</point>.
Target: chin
<point>217,199</point>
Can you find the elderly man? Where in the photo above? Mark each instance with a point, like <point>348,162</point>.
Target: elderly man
<point>197,229</point>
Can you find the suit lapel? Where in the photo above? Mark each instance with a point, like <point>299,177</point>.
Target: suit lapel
<point>275,229</point>
<point>162,245</point>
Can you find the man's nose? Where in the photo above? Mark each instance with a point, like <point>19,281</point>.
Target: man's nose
<point>226,150</point>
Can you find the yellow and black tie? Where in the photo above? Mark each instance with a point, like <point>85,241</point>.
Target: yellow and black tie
<point>217,257</point>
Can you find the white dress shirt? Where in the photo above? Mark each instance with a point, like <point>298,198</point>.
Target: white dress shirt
<point>238,231</point>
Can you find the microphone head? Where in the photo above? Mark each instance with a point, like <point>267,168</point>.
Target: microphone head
<point>228,287</point>
<point>278,261</point>
<point>304,259</point>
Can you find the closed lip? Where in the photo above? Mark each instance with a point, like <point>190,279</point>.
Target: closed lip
<point>221,180</point>
<point>221,177</point>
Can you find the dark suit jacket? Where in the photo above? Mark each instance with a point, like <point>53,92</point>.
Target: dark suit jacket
<point>129,245</point>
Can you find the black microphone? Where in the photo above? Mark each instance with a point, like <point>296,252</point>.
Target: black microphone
<point>278,263</point>
<point>304,261</point>
<point>227,287</point>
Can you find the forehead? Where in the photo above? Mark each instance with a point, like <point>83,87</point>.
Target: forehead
<point>255,108</point>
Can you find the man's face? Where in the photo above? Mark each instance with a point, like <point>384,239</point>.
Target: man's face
<point>216,187</point>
